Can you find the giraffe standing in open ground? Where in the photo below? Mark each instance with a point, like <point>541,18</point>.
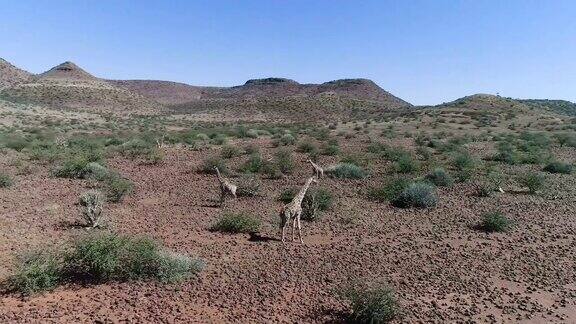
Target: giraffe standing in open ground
<point>293,210</point>
<point>226,187</point>
<point>318,171</point>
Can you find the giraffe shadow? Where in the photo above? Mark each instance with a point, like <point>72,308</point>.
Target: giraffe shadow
<point>66,224</point>
<point>256,237</point>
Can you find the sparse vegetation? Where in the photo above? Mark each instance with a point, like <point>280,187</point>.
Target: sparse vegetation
<point>116,187</point>
<point>211,162</point>
<point>390,190</point>
<point>102,258</point>
<point>36,272</point>
<point>406,164</point>
<point>418,195</point>
<point>106,257</point>
<point>495,222</point>
<point>248,186</point>
<point>5,181</point>
<point>254,164</point>
<point>229,151</point>
<point>284,161</point>
<point>237,223</point>
<point>558,167</point>
<point>346,171</point>
<point>533,181</point>
<point>440,178</point>
<point>371,304</point>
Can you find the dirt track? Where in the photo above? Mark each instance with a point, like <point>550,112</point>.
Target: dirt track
<point>442,269</point>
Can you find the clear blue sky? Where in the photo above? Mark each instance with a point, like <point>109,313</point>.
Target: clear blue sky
<point>425,52</point>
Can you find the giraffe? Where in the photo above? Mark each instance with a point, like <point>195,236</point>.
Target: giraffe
<point>226,187</point>
<point>294,210</point>
<point>318,170</point>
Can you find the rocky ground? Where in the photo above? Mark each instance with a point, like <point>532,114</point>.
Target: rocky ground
<point>441,267</point>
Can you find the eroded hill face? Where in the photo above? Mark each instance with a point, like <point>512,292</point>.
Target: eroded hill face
<point>66,71</point>
<point>272,99</point>
<point>11,75</point>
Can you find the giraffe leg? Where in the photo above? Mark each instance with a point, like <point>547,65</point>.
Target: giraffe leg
<point>283,233</point>
<point>300,229</point>
<point>293,228</point>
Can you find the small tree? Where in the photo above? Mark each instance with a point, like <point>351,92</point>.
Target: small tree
<point>93,203</point>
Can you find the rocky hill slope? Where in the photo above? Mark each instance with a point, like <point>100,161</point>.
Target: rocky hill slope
<point>11,75</point>
<point>68,86</point>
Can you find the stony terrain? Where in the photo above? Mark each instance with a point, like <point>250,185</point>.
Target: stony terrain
<point>441,266</point>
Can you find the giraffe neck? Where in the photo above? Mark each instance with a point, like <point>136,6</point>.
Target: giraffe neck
<point>300,196</point>
<point>218,175</point>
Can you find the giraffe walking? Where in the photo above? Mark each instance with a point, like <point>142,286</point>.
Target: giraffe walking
<point>226,187</point>
<point>318,170</point>
<point>293,210</point>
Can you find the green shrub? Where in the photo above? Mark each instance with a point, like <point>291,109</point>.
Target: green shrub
<point>307,147</point>
<point>558,167</point>
<point>330,150</point>
<point>248,186</point>
<point>73,168</point>
<point>237,223</point>
<point>389,191</point>
<point>439,177</point>
<point>5,181</point>
<point>96,171</point>
<point>254,164</point>
<point>229,151</point>
<point>16,143</point>
<point>272,170</point>
<point>287,195</point>
<point>108,257</point>
<point>463,161</point>
<point>346,171</point>
<point>371,305</point>
<point>566,139</point>
<point>406,164</point>
<point>418,195</point>
<point>287,139</point>
<point>284,161</point>
<point>495,222</point>
<point>93,203</point>
<point>219,139</point>
<point>45,151</point>
<point>532,181</point>
<point>154,156</point>
<point>117,187</point>
<point>36,272</point>
<point>210,163</point>
<point>508,157</point>
<point>251,149</point>
<point>136,148</point>
<point>315,201</point>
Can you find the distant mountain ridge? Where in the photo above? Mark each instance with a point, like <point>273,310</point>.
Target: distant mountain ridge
<point>170,92</point>
<point>69,86</point>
